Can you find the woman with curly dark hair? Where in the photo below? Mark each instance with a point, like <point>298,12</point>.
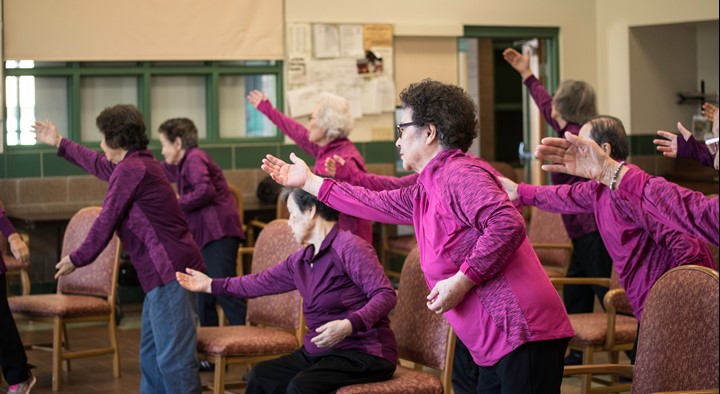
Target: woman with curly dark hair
<point>482,271</point>
<point>140,205</point>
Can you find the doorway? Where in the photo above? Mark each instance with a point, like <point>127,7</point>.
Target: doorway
<point>510,124</point>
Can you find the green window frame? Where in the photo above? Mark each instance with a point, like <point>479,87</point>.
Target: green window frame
<point>144,71</point>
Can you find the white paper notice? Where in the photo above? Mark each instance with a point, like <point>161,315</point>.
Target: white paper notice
<point>327,41</point>
<point>352,92</point>
<point>351,41</point>
<point>371,97</point>
<point>386,89</point>
<point>302,101</point>
<point>299,40</point>
<point>297,71</point>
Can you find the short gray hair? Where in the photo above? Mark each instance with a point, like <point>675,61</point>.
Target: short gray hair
<point>334,115</point>
<point>575,101</point>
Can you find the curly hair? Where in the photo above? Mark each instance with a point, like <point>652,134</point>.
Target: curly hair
<point>123,127</point>
<point>334,115</point>
<point>305,201</point>
<point>446,106</point>
<point>575,101</point>
<point>606,128</point>
<point>182,128</point>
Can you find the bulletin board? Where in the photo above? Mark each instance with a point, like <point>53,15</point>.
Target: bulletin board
<point>355,61</point>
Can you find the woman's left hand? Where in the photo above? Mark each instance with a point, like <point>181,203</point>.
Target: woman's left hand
<point>331,333</point>
<point>449,292</point>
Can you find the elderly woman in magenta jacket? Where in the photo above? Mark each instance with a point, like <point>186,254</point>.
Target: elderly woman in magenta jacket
<point>326,135</point>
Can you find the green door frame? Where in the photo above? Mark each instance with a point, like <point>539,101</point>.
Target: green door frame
<point>550,35</point>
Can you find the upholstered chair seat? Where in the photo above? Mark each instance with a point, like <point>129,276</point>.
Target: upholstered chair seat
<point>244,341</point>
<point>591,328</point>
<point>60,305</point>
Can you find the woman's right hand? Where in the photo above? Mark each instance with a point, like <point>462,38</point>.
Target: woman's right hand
<point>194,281</point>
<point>256,97</point>
<point>510,188</point>
<point>669,146</point>
<point>297,174</point>
<point>47,133</point>
<point>518,61</point>
<point>332,165</point>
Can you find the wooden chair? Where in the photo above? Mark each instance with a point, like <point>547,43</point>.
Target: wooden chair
<point>611,331</point>
<point>86,295</point>
<point>678,344</point>
<point>550,241</point>
<point>392,244</point>
<point>13,265</point>
<point>275,326</point>
<point>424,339</point>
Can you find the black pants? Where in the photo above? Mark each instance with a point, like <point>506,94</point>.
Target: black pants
<point>12,354</point>
<point>533,368</point>
<point>302,372</point>
<point>465,372</point>
<point>220,258</point>
<point>590,258</point>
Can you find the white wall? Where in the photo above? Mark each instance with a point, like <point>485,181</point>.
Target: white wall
<point>613,20</point>
<point>707,55</point>
<point>435,18</point>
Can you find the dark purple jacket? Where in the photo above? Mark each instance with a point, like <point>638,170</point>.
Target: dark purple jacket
<point>205,198</point>
<point>141,206</point>
<point>343,281</point>
<point>575,225</point>
<point>7,230</point>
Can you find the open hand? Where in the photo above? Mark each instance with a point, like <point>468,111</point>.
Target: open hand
<point>520,62</point>
<point>332,165</point>
<point>668,146</point>
<point>47,133</point>
<point>194,281</point>
<point>255,97</point>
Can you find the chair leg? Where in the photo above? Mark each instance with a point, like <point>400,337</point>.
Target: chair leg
<point>56,357</point>
<point>220,315</point>
<point>219,377</point>
<point>25,282</point>
<point>614,358</point>
<point>586,380</point>
<point>112,332</point>
<point>66,345</point>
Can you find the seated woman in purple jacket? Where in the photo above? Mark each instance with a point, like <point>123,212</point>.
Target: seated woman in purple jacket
<point>326,135</point>
<point>140,205</point>
<point>13,360</point>
<point>346,300</point>
<point>478,262</point>
<point>210,210</point>
<point>681,209</point>
<point>642,249</point>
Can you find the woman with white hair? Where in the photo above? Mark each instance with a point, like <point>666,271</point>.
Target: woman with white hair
<point>327,134</point>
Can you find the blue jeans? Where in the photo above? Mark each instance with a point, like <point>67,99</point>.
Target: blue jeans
<point>168,339</point>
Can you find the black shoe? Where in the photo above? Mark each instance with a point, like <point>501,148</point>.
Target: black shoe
<point>574,358</point>
<point>206,366</point>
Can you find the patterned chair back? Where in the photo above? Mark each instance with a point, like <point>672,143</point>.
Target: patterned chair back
<point>415,326</point>
<point>622,304</point>
<point>100,277</point>
<point>678,345</point>
<point>274,244</point>
<point>548,228</point>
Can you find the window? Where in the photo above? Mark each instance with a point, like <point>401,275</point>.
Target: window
<point>212,94</point>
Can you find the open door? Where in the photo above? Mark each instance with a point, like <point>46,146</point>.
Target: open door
<point>510,123</point>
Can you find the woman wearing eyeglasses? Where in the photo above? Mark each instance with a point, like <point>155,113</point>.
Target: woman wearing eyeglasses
<point>483,273</point>
<point>326,135</point>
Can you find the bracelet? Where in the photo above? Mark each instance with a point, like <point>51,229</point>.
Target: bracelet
<point>613,180</point>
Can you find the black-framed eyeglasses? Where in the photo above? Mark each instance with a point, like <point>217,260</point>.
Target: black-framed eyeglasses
<point>400,126</point>
<point>712,145</point>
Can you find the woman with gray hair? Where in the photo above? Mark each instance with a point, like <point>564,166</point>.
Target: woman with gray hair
<point>326,135</point>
